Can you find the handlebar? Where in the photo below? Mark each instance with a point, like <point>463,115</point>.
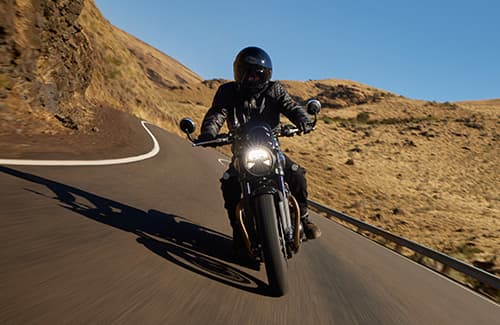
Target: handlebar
<point>287,130</point>
<point>220,140</point>
<point>188,126</point>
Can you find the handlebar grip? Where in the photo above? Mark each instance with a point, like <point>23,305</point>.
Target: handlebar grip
<point>220,140</point>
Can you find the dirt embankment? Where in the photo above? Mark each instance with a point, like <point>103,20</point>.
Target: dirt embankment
<point>45,65</point>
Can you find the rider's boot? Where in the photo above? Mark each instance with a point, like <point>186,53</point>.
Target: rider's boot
<point>311,230</point>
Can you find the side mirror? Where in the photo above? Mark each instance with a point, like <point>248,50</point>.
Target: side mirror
<point>313,106</point>
<point>187,125</point>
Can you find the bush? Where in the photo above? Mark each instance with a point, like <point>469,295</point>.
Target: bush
<point>113,60</point>
<point>330,120</point>
<point>363,117</point>
<point>3,81</point>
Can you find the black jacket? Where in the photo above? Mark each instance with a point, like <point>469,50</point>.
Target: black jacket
<point>233,106</point>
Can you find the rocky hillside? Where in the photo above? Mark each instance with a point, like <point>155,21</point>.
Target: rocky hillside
<point>45,59</point>
<point>425,170</point>
<point>61,61</point>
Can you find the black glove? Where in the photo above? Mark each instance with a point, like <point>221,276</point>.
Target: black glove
<point>305,126</point>
<point>205,137</point>
<point>287,130</point>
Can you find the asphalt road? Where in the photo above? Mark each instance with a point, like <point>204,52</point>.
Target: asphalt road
<point>148,243</point>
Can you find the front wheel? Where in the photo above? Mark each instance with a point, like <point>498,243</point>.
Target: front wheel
<point>274,256</point>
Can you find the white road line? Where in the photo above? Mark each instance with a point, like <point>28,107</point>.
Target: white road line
<point>28,162</point>
<point>224,162</point>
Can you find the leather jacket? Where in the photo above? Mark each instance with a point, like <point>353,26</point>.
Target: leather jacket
<point>234,106</point>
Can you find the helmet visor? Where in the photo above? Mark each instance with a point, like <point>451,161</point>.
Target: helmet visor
<point>255,77</point>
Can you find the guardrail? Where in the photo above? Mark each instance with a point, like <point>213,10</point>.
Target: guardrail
<point>447,261</point>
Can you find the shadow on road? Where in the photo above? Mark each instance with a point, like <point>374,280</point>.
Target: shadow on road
<point>191,246</point>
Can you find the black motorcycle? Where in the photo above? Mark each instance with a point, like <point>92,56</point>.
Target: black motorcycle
<point>268,215</point>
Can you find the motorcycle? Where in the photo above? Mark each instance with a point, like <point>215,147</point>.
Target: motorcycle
<point>267,215</point>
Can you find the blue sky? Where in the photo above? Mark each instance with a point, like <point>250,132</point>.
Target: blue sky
<point>435,50</point>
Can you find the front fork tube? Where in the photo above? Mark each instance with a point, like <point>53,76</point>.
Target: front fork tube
<point>291,228</point>
<point>297,230</point>
<point>285,211</point>
<point>292,234</point>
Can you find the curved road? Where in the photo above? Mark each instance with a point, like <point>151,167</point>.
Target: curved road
<point>147,243</point>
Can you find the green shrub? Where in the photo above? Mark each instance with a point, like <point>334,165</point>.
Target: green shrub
<point>3,81</point>
<point>113,60</point>
<point>114,74</point>
<point>363,117</point>
<point>330,120</point>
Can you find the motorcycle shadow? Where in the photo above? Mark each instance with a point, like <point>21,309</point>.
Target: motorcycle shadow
<point>186,244</point>
<point>199,249</point>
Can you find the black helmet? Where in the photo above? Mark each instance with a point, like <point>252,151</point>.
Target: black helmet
<point>252,68</point>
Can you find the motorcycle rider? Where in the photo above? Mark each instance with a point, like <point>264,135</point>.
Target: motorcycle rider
<point>254,96</point>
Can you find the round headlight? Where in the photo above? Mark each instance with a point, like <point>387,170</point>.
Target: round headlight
<point>259,161</point>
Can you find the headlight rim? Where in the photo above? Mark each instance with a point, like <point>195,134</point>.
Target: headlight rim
<point>252,170</point>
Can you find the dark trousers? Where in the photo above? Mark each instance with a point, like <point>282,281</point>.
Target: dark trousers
<point>295,176</point>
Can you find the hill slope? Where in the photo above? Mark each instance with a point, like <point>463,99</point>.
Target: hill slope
<point>425,170</point>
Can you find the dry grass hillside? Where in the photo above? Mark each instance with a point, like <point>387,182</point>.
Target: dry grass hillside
<point>424,170</point>
<point>132,75</point>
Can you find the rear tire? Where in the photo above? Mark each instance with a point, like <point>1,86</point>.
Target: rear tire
<point>274,257</point>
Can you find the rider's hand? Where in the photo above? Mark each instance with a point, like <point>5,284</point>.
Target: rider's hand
<point>287,130</point>
<point>305,127</point>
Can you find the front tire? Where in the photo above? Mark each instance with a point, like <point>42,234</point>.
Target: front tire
<point>274,256</point>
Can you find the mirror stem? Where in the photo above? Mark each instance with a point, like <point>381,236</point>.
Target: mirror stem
<point>190,137</point>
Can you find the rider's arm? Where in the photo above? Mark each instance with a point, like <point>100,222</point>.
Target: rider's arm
<point>293,111</point>
<point>217,114</point>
